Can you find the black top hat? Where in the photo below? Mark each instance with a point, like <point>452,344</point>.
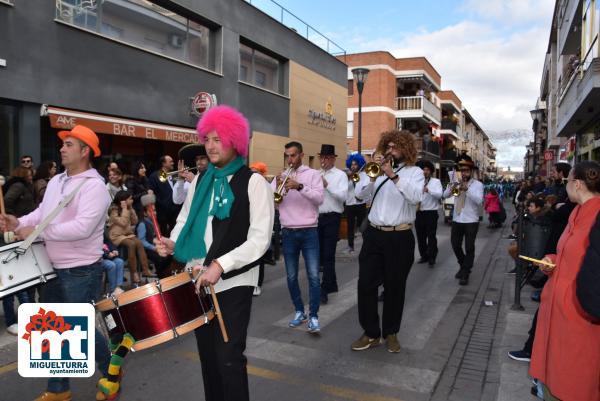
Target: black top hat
<point>327,150</point>
<point>189,153</point>
<point>422,163</point>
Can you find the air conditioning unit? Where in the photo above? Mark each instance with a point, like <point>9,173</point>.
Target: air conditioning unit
<point>176,41</point>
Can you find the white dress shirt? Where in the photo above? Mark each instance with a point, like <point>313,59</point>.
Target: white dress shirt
<point>180,190</point>
<point>336,192</point>
<point>352,199</point>
<point>473,200</point>
<point>262,212</point>
<point>431,198</point>
<point>395,203</point>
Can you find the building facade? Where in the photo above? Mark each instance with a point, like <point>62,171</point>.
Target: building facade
<point>138,70</point>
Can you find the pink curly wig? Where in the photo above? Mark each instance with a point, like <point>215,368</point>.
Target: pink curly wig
<point>231,126</point>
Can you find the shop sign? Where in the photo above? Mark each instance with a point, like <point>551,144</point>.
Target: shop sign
<point>324,119</point>
<point>548,155</point>
<point>202,102</point>
<point>67,119</point>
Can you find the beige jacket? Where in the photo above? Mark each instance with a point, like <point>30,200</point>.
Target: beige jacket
<point>121,227</point>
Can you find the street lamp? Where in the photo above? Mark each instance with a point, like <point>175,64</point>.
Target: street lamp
<point>360,77</point>
<point>536,116</point>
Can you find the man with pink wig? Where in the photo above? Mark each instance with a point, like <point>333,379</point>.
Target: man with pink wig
<point>223,230</point>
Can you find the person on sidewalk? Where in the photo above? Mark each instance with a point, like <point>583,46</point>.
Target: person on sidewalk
<point>335,185</point>
<point>566,350</point>
<point>222,231</point>
<point>427,214</point>
<point>299,214</point>
<point>73,239</point>
<point>356,208</point>
<point>491,205</point>
<point>388,249</point>
<point>465,217</point>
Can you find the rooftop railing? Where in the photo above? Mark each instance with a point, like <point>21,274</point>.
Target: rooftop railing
<point>287,18</point>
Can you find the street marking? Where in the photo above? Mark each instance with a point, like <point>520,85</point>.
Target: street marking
<point>8,368</point>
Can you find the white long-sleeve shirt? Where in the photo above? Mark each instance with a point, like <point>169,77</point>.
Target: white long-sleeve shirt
<point>180,190</point>
<point>431,198</point>
<point>395,203</point>
<point>262,212</point>
<point>473,200</point>
<point>352,199</point>
<point>336,192</point>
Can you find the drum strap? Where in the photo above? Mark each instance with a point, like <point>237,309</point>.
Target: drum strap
<point>33,236</point>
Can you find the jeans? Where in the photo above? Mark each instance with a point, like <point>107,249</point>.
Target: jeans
<point>8,303</point>
<point>77,285</point>
<point>307,241</point>
<point>114,272</point>
<point>329,232</point>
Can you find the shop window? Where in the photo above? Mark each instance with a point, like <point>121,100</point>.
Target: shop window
<point>145,25</point>
<point>260,69</point>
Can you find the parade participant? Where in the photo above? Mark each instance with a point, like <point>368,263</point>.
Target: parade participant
<point>191,155</point>
<point>166,210</point>
<point>261,168</point>
<point>465,217</point>
<point>330,214</point>
<point>566,350</point>
<point>427,214</point>
<point>73,239</point>
<point>355,207</point>
<point>222,231</point>
<point>387,253</point>
<point>298,212</point>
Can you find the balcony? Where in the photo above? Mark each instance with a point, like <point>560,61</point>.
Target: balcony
<point>429,150</point>
<point>418,107</point>
<point>448,157</point>
<point>451,128</point>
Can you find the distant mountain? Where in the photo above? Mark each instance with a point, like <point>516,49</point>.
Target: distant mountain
<point>511,145</point>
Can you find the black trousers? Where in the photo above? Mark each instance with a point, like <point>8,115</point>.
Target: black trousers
<point>426,228</point>
<point>354,216</point>
<point>385,258</point>
<point>329,233</point>
<point>528,347</point>
<point>468,232</point>
<point>224,364</point>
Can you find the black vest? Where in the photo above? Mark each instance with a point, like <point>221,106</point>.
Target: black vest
<point>232,232</point>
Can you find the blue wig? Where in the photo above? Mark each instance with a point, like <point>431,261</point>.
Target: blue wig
<point>359,159</point>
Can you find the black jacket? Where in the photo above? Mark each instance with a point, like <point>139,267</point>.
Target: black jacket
<point>18,197</point>
<point>588,278</point>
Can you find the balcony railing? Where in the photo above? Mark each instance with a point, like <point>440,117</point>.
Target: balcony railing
<point>430,147</point>
<point>418,103</point>
<point>449,154</point>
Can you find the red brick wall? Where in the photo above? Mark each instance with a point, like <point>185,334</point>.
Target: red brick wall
<point>373,124</point>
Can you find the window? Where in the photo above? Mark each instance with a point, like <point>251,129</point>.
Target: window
<point>260,69</point>
<point>350,130</point>
<point>589,34</point>
<point>145,25</point>
<point>350,87</point>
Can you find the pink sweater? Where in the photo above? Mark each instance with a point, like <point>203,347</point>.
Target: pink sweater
<point>300,209</point>
<point>492,203</point>
<point>75,237</point>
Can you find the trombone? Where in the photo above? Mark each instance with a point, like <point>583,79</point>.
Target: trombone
<point>163,176</point>
<point>280,191</point>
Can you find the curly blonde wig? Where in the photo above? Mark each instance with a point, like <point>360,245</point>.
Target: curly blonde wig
<point>404,140</point>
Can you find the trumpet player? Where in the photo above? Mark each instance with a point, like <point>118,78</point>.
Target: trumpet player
<point>468,196</point>
<point>190,154</point>
<point>335,190</point>
<point>427,215</point>
<point>387,253</point>
<point>355,206</point>
<point>166,209</point>
<point>299,213</point>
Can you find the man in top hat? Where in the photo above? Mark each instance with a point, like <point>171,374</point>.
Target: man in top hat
<point>73,239</point>
<point>427,214</point>
<point>192,155</point>
<point>465,217</point>
<point>335,184</point>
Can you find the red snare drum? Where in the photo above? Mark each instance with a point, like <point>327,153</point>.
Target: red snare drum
<point>157,312</point>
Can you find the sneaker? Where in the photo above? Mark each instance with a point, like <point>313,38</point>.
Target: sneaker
<point>313,325</point>
<point>13,329</point>
<point>118,291</point>
<point>522,356</point>
<point>299,318</point>
<point>391,341</point>
<point>365,342</point>
<point>48,396</point>
<point>257,291</point>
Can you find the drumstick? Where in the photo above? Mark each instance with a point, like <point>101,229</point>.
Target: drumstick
<point>219,317</point>
<point>542,262</point>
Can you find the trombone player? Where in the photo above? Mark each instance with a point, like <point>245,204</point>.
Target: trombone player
<point>388,248</point>
<point>355,206</point>
<point>301,195</point>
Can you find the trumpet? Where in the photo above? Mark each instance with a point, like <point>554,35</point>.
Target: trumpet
<point>456,184</point>
<point>374,170</point>
<point>280,191</point>
<point>355,177</point>
<point>163,176</point>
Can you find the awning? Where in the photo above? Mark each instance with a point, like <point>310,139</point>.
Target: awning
<point>102,124</point>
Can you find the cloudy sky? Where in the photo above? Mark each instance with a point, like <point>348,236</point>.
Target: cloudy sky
<point>490,52</point>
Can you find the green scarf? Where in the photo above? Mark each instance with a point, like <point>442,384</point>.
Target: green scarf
<point>190,243</point>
